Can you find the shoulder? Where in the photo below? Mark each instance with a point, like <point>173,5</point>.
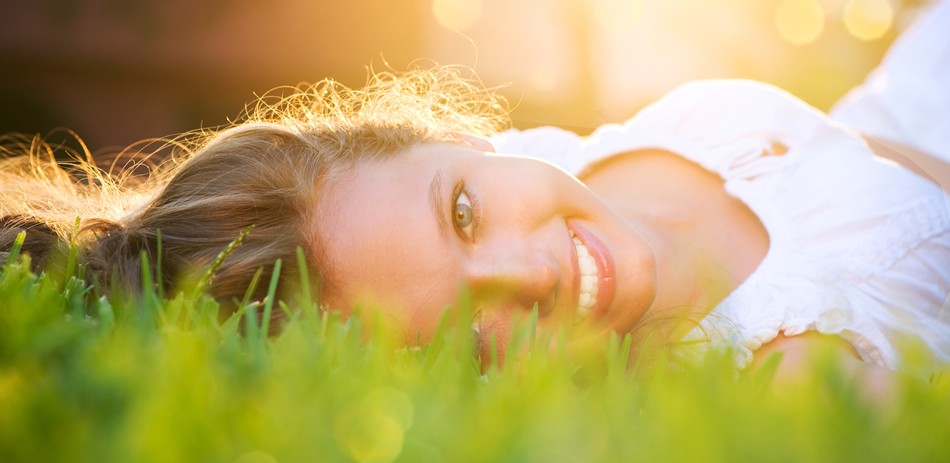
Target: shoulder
<point>695,112</point>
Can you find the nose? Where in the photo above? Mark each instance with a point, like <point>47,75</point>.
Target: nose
<point>521,277</point>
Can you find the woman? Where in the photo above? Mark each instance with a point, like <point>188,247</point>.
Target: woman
<point>729,203</point>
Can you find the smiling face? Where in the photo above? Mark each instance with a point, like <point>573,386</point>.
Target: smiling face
<point>405,234</point>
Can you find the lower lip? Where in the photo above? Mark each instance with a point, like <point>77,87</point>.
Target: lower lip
<point>605,271</point>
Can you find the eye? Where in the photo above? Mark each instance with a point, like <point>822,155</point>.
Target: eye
<point>463,213</point>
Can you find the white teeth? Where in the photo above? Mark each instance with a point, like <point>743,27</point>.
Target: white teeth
<point>587,266</point>
<point>588,284</point>
<point>584,300</point>
<point>581,249</point>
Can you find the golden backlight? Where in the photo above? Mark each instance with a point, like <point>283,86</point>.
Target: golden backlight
<point>868,19</point>
<point>579,63</point>
<point>117,73</point>
<point>799,21</point>
<point>457,14</point>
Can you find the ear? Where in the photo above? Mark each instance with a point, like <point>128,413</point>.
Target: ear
<point>474,141</point>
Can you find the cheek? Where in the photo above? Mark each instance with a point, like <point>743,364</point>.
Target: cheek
<point>420,326</point>
<point>636,286</point>
<point>383,316</point>
<point>419,307</point>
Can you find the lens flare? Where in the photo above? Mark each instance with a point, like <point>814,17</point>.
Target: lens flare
<point>457,15</point>
<point>868,19</point>
<point>799,22</point>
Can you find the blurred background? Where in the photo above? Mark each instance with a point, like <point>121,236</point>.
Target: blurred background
<point>117,71</point>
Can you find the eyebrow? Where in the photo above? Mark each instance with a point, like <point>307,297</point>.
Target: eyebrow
<point>438,206</point>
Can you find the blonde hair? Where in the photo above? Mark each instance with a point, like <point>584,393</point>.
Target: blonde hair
<point>265,171</point>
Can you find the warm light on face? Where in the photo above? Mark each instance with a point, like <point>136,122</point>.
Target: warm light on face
<point>398,249</point>
<point>868,19</point>
<point>799,22</point>
<point>457,14</point>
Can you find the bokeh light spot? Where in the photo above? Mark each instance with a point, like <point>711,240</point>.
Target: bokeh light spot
<point>373,430</point>
<point>799,22</point>
<point>868,19</point>
<point>457,15</point>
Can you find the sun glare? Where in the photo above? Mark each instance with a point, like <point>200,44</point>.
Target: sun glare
<point>578,63</point>
<point>868,19</point>
<point>799,22</point>
<point>457,15</point>
<point>617,16</point>
<point>544,80</point>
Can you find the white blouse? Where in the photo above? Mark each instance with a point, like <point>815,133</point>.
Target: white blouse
<point>859,246</point>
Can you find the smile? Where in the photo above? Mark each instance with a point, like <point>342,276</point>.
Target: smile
<point>595,270</point>
<point>587,297</point>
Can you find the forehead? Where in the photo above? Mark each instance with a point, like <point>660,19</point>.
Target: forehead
<point>380,233</point>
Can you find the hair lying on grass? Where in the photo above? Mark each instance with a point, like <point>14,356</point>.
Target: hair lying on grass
<point>265,171</point>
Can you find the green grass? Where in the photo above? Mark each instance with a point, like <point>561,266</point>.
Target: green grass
<point>85,377</point>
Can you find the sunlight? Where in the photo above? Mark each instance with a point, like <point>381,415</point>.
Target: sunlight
<point>868,19</point>
<point>617,15</point>
<point>578,63</point>
<point>457,15</point>
<point>544,80</point>
<point>799,22</point>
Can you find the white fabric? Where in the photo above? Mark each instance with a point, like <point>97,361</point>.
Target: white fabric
<point>900,97</point>
<point>859,247</point>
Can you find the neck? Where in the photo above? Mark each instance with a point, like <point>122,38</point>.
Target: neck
<point>706,242</point>
<point>691,276</point>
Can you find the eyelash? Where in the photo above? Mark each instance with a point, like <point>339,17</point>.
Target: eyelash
<point>476,209</point>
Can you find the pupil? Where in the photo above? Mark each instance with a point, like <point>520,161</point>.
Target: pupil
<point>463,215</point>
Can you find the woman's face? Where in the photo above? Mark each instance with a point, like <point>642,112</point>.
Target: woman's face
<point>406,234</point>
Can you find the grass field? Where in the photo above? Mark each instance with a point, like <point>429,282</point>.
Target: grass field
<point>90,378</point>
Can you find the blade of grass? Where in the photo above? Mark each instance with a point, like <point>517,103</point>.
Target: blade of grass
<point>106,314</point>
<point>251,328</point>
<point>271,295</point>
<point>15,249</point>
<point>158,265</point>
<point>307,302</point>
<point>152,307</point>
<point>285,310</point>
<point>219,259</point>
<point>249,293</point>
<point>147,283</point>
<point>71,253</point>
